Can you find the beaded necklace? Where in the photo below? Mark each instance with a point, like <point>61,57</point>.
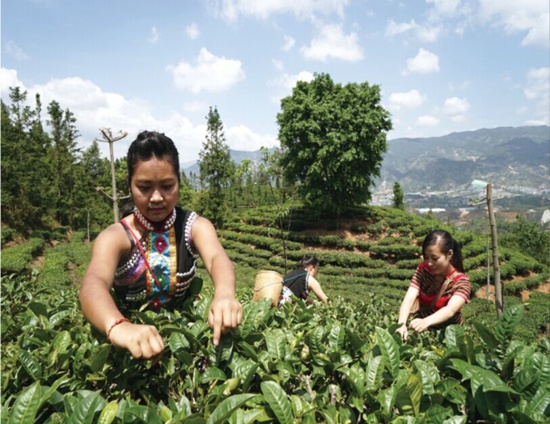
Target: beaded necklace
<point>160,242</point>
<point>152,226</point>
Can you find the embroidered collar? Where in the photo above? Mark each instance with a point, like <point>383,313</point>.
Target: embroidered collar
<point>155,226</point>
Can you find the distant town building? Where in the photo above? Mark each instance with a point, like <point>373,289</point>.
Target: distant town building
<point>545,217</point>
<point>432,210</point>
<point>479,184</point>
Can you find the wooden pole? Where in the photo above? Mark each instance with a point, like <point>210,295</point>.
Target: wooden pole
<point>488,269</point>
<point>496,265</point>
<point>108,137</point>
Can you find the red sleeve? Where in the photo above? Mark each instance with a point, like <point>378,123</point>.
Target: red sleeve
<point>461,286</point>
<point>419,276</point>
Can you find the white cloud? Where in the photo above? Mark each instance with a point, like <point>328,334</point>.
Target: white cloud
<point>279,65</point>
<point>428,34</point>
<point>209,73</point>
<point>196,107</point>
<point>444,8</point>
<point>393,28</point>
<point>15,51</point>
<point>94,109</point>
<point>536,122</point>
<point>460,87</point>
<point>425,62</point>
<point>538,85</point>
<point>154,36</point>
<point>410,99</point>
<point>538,89</point>
<point>427,121</point>
<point>243,138</point>
<point>230,10</point>
<point>332,42</point>
<point>285,83</point>
<point>289,43</point>
<point>526,16</point>
<point>9,79</point>
<point>459,119</point>
<point>456,106</point>
<point>192,31</point>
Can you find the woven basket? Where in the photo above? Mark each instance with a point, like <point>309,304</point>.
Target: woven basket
<point>268,285</point>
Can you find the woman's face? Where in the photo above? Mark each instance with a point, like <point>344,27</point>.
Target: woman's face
<point>439,262</point>
<point>155,188</point>
<point>313,270</point>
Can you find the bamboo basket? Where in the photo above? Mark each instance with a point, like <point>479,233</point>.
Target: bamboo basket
<point>268,285</point>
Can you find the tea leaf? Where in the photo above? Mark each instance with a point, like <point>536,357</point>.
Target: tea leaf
<point>108,413</point>
<point>224,410</point>
<point>390,350</point>
<point>277,400</point>
<point>26,405</point>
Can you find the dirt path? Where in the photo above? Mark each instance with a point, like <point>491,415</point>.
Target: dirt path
<point>38,262</point>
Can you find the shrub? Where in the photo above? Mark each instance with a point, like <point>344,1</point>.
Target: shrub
<point>16,259</point>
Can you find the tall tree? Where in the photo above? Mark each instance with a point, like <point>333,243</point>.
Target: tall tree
<point>26,201</point>
<point>398,196</point>
<point>92,171</point>
<point>216,169</point>
<point>333,140</point>
<point>63,154</point>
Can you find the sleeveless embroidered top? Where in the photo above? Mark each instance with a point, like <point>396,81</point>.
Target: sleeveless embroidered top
<point>171,258</point>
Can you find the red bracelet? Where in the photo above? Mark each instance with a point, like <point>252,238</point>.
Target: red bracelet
<point>118,321</point>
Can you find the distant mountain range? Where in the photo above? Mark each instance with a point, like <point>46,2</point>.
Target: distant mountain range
<point>511,157</point>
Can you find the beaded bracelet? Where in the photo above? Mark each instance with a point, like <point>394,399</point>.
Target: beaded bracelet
<point>118,321</point>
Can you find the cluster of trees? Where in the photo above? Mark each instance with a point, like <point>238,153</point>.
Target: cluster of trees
<point>47,180</point>
<point>332,136</point>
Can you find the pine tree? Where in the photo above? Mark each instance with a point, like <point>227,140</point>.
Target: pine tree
<point>216,169</point>
<point>398,196</point>
<point>63,155</point>
<point>26,173</point>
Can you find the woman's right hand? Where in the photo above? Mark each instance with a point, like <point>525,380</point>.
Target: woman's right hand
<point>403,331</point>
<point>142,341</point>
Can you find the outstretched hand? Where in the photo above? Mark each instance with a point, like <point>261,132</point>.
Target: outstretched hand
<point>142,341</point>
<point>225,313</point>
<point>419,325</point>
<point>404,332</point>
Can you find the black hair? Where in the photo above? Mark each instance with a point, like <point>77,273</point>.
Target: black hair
<point>446,242</point>
<point>309,260</point>
<point>149,144</point>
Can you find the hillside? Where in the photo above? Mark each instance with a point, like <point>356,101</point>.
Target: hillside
<point>515,159</point>
<point>371,250</point>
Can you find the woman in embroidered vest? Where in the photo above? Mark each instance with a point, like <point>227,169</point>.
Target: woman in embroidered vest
<point>148,256</point>
<point>438,284</point>
<point>299,282</point>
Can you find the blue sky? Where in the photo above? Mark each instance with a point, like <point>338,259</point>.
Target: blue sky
<point>129,65</point>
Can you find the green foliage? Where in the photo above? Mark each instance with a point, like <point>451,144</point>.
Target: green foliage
<point>17,259</point>
<point>7,234</point>
<point>337,363</point>
<point>333,138</point>
<point>216,170</point>
<point>398,196</point>
<point>46,180</point>
<point>528,237</point>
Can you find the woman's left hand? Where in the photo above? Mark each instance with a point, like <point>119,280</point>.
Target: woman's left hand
<point>419,325</point>
<point>224,313</point>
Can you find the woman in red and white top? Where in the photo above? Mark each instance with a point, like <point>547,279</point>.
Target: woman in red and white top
<point>437,308</point>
